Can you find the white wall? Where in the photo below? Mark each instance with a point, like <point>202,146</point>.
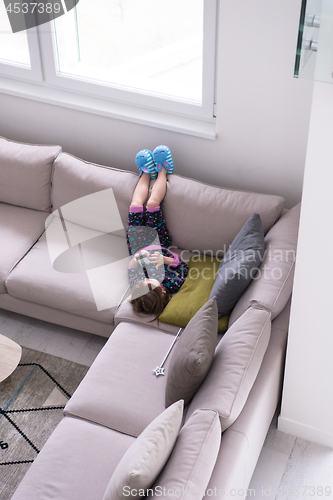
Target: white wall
<point>262,112</point>
<point>307,402</point>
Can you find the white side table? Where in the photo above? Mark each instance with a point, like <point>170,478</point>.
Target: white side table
<point>10,355</point>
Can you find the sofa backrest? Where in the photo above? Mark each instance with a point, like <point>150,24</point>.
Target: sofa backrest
<point>25,174</point>
<point>200,217</point>
<point>74,178</point>
<point>203,218</point>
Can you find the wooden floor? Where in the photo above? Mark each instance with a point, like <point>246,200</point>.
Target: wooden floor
<point>288,467</point>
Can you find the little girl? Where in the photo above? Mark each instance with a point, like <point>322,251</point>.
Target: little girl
<point>166,271</point>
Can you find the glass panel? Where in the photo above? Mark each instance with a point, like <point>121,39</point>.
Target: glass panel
<point>314,56</point>
<point>150,45</point>
<point>14,47</point>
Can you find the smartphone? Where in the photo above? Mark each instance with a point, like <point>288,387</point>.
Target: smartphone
<point>142,259</point>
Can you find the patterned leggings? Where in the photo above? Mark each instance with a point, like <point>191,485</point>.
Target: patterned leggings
<point>140,236</point>
<point>141,233</point>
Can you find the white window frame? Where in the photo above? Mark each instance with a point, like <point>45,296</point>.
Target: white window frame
<point>109,100</point>
<point>21,71</point>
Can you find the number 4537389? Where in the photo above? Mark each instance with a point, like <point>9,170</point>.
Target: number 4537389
<point>32,7</point>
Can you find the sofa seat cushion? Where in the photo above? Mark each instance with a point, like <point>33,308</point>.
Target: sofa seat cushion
<point>25,174</point>
<point>35,280</point>
<point>146,457</point>
<point>273,283</point>
<point>220,213</point>
<point>19,229</point>
<point>74,178</point>
<point>126,314</point>
<point>120,390</point>
<point>75,463</point>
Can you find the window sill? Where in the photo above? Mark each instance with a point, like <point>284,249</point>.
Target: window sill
<point>89,104</point>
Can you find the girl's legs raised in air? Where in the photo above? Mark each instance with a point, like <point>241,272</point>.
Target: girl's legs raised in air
<point>154,215</point>
<point>159,189</point>
<point>137,238</point>
<point>141,191</point>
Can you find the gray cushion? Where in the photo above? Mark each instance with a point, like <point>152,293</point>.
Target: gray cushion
<point>145,458</point>
<point>25,174</point>
<point>192,355</point>
<point>193,458</point>
<point>239,265</point>
<point>236,364</point>
<point>272,288</point>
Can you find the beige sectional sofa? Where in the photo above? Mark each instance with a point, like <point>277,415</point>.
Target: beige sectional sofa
<point>120,396</point>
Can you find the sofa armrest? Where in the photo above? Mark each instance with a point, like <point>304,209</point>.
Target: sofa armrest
<point>125,313</point>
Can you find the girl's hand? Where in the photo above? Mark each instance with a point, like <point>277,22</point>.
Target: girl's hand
<point>157,258</point>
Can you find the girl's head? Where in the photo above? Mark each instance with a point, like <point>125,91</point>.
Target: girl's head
<point>149,302</point>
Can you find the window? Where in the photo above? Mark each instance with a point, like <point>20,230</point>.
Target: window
<point>155,54</point>
<point>19,52</point>
<point>14,48</point>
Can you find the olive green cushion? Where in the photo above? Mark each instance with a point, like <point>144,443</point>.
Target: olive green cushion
<point>194,293</point>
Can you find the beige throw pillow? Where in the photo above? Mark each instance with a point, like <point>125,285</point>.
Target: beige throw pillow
<point>193,458</point>
<point>146,457</point>
<point>25,174</point>
<point>236,364</point>
<point>192,355</point>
